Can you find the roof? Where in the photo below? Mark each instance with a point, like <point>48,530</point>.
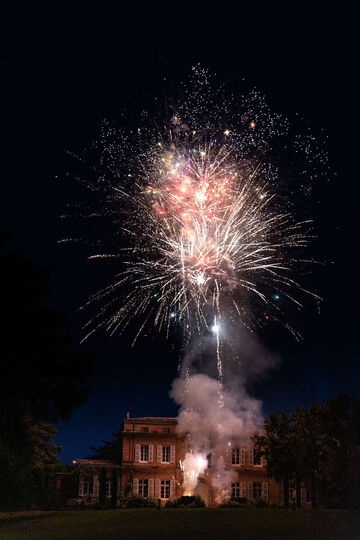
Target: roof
<point>96,462</point>
<point>151,420</point>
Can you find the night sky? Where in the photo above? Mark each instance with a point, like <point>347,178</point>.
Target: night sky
<point>63,71</point>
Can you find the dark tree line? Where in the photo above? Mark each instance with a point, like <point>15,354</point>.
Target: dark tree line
<point>318,447</point>
<point>43,378</point>
<point>109,450</point>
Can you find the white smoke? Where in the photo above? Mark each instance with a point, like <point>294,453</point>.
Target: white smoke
<point>218,417</point>
<point>210,414</point>
<point>213,419</point>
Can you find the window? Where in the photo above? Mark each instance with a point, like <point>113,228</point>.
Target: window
<point>166,454</point>
<point>257,490</point>
<point>144,452</point>
<point>143,488</point>
<point>235,490</point>
<point>165,489</point>
<point>166,430</point>
<point>108,487</point>
<point>88,486</point>
<point>292,493</point>
<point>257,458</point>
<point>236,456</point>
<point>144,429</point>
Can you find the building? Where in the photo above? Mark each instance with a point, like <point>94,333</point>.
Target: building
<point>149,465</point>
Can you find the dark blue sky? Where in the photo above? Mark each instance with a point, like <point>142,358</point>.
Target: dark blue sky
<point>65,70</point>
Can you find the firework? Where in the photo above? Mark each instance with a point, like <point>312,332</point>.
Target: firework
<point>192,466</point>
<point>209,233</point>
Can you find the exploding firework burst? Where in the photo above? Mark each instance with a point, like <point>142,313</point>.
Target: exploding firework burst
<point>207,229</point>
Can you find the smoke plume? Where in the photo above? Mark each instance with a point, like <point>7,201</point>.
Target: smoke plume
<point>213,420</point>
<point>217,417</point>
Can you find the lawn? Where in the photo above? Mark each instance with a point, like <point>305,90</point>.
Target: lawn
<point>149,524</point>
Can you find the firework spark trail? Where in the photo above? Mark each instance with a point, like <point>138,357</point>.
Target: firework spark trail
<point>208,234</point>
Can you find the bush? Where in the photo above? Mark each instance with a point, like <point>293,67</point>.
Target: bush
<point>124,502</point>
<point>241,500</point>
<point>193,501</point>
<point>235,502</point>
<point>55,501</point>
<point>261,503</point>
<point>81,504</point>
<point>136,502</point>
<point>74,502</point>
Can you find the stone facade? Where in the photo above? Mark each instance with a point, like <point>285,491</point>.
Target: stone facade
<point>150,452</point>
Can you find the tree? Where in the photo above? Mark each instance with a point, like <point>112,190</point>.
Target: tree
<point>109,450</point>
<point>27,476</point>
<point>114,488</point>
<point>339,423</point>
<point>42,372</point>
<point>306,444</point>
<point>318,446</point>
<point>276,447</point>
<point>43,379</point>
<point>102,487</point>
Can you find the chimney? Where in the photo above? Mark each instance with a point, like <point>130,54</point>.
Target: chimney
<point>127,415</point>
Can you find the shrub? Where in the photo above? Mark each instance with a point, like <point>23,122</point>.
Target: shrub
<point>241,500</point>
<point>193,501</point>
<point>55,501</point>
<point>137,502</point>
<point>261,503</point>
<point>235,502</point>
<point>80,503</point>
<point>75,503</point>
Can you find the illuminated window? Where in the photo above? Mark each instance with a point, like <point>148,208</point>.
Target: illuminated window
<point>144,452</point>
<point>165,489</point>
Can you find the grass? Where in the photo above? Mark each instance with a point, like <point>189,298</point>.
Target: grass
<point>175,524</point>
